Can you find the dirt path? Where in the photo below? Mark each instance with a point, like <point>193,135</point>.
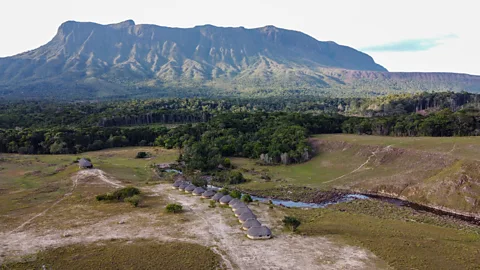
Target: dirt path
<point>74,186</point>
<point>101,176</point>
<point>285,251</point>
<point>374,154</point>
<point>75,179</point>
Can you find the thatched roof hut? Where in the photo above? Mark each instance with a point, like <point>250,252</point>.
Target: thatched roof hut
<point>177,184</point>
<point>190,188</point>
<point>238,205</point>
<point>217,196</point>
<point>261,232</point>
<point>233,202</point>
<point>198,191</point>
<point>85,164</point>
<point>208,194</point>
<point>242,210</point>
<point>253,222</point>
<point>246,216</point>
<point>183,186</point>
<point>225,199</point>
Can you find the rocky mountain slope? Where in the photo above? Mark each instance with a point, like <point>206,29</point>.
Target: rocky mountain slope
<point>89,61</point>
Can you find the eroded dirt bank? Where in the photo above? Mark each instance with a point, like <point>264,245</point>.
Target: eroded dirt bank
<point>434,179</point>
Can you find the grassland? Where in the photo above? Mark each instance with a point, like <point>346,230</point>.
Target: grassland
<point>122,254</point>
<point>459,147</point>
<point>439,172</point>
<point>402,238</point>
<point>30,184</point>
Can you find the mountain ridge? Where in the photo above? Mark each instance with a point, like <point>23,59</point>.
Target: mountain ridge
<point>128,59</point>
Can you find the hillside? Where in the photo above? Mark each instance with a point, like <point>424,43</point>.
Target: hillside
<point>90,61</point>
<point>390,166</point>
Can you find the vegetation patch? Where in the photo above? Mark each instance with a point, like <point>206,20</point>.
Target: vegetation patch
<point>402,242</point>
<point>122,254</point>
<point>174,208</point>
<point>119,194</point>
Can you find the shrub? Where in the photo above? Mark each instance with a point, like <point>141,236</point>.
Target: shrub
<point>199,182</point>
<point>224,191</point>
<point>134,201</point>
<point>236,178</point>
<point>247,198</point>
<point>235,194</point>
<point>174,208</point>
<point>104,197</point>
<point>141,155</point>
<point>291,223</point>
<point>213,204</point>
<point>227,163</point>
<point>119,194</point>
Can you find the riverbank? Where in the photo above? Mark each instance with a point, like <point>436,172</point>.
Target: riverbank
<point>305,197</point>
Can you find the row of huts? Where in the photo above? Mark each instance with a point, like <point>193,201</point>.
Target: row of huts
<point>245,216</point>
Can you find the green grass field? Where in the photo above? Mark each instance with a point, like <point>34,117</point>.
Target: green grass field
<point>402,239</point>
<point>441,172</point>
<point>460,147</point>
<point>123,254</point>
<point>30,183</point>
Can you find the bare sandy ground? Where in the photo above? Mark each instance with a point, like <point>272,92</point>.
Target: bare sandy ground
<point>216,228</point>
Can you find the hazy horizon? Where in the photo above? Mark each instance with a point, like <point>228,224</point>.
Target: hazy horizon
<point>406,36</point>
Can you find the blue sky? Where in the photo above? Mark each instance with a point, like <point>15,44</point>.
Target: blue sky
<point>403,35</point>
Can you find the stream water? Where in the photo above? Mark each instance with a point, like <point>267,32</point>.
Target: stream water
<point>352,197</point>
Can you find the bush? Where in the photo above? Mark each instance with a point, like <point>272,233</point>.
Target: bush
<point>236,178</point>
<point>104,197</point>
<point>224,191</point>
<point>119,194</point>
<point>174,208</point>
<point>235,194</point>
<point>200,182</point>
<point>247,198</point>
<point>142,155</point>
<point>134,201</point>
<point>213,204</point>
<point>291,223</point>
<point>227,163</point>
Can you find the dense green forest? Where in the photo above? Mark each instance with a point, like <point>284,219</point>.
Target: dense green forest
<point>272,130</point>
<point>442,123</point>
<point>44,114</point>
<point>276,137</point>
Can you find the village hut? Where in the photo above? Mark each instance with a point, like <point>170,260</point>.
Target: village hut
<point>198,191</point>
<point>183,186</point>
<point>253,222</point>
<point>233,202</point>
<point>85,164</point>
<point>225,199</point>
<point>177,184</point>
<point>246,216</point>
<point>261,232</point>
<point>190,188</point>
<point>240,211</point>
<point>239,205</point>
<point>208,194</point>
<point>217,196</point>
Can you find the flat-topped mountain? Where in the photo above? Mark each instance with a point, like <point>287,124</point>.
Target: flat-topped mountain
<point>89,60</point>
